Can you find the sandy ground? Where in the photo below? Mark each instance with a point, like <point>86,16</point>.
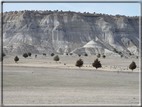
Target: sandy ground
<point>43,81</point>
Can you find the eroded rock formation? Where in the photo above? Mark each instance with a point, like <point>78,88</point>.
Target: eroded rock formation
<point>62,32</point>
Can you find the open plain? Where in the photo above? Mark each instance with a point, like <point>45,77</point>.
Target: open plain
<point>43,81</point>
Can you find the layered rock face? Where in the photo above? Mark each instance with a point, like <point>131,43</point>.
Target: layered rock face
<point>62,32</point>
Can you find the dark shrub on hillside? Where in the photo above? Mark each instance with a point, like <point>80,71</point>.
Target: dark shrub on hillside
<point>52,54</point>
<point>85,54</point>
<point>29,54</point>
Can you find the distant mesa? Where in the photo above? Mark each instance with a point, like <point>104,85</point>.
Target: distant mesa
<point>62,32</point>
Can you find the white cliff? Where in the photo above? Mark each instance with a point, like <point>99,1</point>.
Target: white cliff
<point>63,32</point>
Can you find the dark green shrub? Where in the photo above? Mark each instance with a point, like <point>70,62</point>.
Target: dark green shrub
<point>79,63</point>
<point>132,66</point>
<point>103,56</point>
<point>79,55</point>
<point>44,54</point>
<point>85,54</point>
<point>96,64</point>
<point>56,58</point>
<point>52,54</point>
<point>25,55</point>
<point>16,59</point>
<point>29,54</point>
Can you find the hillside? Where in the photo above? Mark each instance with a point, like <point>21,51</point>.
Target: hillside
<point>63,32</point>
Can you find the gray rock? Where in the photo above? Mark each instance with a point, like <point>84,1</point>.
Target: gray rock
<point>60,32</point>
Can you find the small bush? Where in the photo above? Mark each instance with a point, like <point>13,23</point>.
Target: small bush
<point>44,54</point>
<point>85,54</point>
<point>132,66</point>
<point>56,58</point>
<point>70,53</point>
<point>16,59</point>
<point>96,64</point>
<point>130,54</point>
<point>52,54</point>
<point>103,56</point>
<point>25,55</point>
<point>79,55</point>
<point>29,54</point>
<point>79,63</point>
<point>35,56</point>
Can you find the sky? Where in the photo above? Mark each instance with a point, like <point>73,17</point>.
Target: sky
<point>127,9</point>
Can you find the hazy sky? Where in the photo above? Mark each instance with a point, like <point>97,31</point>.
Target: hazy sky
<point>128,9</point>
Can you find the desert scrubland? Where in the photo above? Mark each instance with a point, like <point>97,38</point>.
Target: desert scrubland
<point>43,81</point>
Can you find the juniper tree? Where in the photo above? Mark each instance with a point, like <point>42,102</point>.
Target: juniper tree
<point>25,55</point>
<point>16,59</point>
<point>79,55</point>
<point>132,66</point>
<point>52,54</point>
<point>29,54</point>
<point>103,56</point>
<point>35,56</point>
<point>56,58</point>
<point>44,54</point>
<point>79,63</point>
<point>96,64</point>
<point>85,54</point>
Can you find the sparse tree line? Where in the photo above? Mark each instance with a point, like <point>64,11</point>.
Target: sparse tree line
<point>79,62</point>
<point>97,64</point>
<point>49,11</point>
<point>98,56</point>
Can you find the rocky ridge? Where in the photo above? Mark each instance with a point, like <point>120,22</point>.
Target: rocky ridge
<point>63,32</point>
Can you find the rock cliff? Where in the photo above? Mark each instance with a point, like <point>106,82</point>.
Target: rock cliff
<point>62,32</point>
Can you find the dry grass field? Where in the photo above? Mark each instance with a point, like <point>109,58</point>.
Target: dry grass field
<point>43,81</point>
